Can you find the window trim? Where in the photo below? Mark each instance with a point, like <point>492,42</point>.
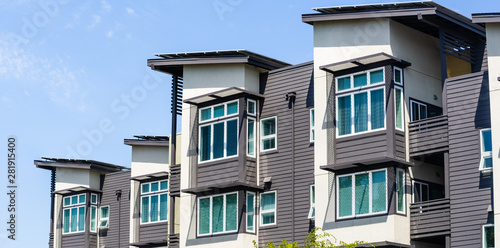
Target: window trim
<point>484,155</point>
<point>403,124</point>
<point>93,208</point>
<point>275,210</point>
<point>353,214</point>
<point>102,219</point>
<point>419,104</point>
<point>413,190</point>
<point>210,233</point>
<point>255,107</point>
<point>368,80</point>
<point>311,126</point>
<point>254,137</point>
<point>396,69</point>
<point>96,198</point>
<point>76,206</point>
<point>404,191</point>
<point>483,234</point>
<point>148,194</point>
<point>212,118</point>
<point>275,135</point>
<point>246,213</point>
<point>370,130</point>
<point>312,202</point>
<point>211,124</point>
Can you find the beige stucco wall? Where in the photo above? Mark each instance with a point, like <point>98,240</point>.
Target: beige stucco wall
<point>69,178</point>
<point>149,159</point>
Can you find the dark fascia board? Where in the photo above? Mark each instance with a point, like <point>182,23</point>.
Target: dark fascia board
<point>384,244</point>
<point>137,142</point>
<point>162,174</point>
<point>320,17</point>
<point>54,165</point>
<point>365,162</point>
<point>213,95</point>
<point>219,186</point>
<point>153,243</point>
<point>486,17</point>
<point>371,59</point>
<point>76,190</point>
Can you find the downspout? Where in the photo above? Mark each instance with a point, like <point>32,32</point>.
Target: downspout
<point>119,198</point>
<point>52,189</point>
<point>290,97</point>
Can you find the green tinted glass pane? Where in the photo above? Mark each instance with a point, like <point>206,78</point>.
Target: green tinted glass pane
<point>74,200</point>
<point>251,107</point>
<point>489,236</point>
<point>397,76</point>
<point>400,189</point>
<point>379,192</point>
<point>360,112</point>
<point>344,83</point>
<point>269,126</point>
<point>105,212</point>
<point>218,214</point>
<point>232,108</point>
<point>219,111</point>
<point>206,114</point>
<point>164,185</point>
<point>313,195</point>
<point>163,206</point>
<point>251,138</point>
<point>250,211</point>
<point>362,194</point>
<point>376,77</point>
<point>267,218</point>
<point>66,218</point>
<point>205,137</point>
<point>345,196</point>
<point>232,137</point>
<point>218,144</point>
<point>231,212</point>
<point>74,219</point>
<point>377,109</point>
<point>399,109</point>
<point>488,162</point>
<point>81,199</point>
<point>269,143</point>
<point>93,216</point>
<point>486,140</point>
<point>204,216</point>
<point>145,210</point>
<point>153,214</point>
<point>344,115</point>
<point>67,201</point>
<point>145,188</point>
<point>268,201</point>
<point>154,187</point>
<point>360,80</point>
<point>93,198</point>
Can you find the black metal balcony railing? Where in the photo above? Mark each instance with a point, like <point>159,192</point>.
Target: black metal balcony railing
<point>430,219</point>
<point>428,136</point>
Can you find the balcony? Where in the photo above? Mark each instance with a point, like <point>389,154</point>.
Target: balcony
<point>430,219</point>
<point>428,136</point>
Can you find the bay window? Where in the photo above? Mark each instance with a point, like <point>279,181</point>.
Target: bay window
<point>93,211</point>
<point>218,131</point>
<point>250,212</point>
<point>74,213</point>
<point>361,194</point>
<point>218,214</point>
<point>251,137</point>
<point>154,201</point>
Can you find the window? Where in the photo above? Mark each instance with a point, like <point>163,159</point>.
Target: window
<point>268,208</point>
<point>104,218</point>
<point>311,125</point>
<point>362,193</point>
<point>218,134</point>
<point>420,191</point>
<point>488,236</point>
<point>251,137</point>
<point>74,213</point>
<point>398,103</point>
<point>250,212</point>
<point>400,188</point>
<point>154,201</point>
<point>398,76</point>
<point>93,211</point>
<point>418,110</point>
<point>312,201</point>
<point>218,214</point>
<point>358,109</point>
<point>486,150</point>
<point>251,107</point>
<point>268,134</point>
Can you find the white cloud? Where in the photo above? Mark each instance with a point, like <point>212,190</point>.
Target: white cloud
<point>106,6</point>
<point>109,34</point>
<point>96,19</point>
<point>130,11</point>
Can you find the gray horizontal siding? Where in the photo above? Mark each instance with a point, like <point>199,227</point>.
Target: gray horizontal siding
<point>175,179</point>
<point>154,231</point>
<point>400,145</point>
<point>74,240</point>
<point>470,191</point>
<point>362,146</point>
<point>93,240</point>
<point>117,235</point>
<point>219,172</point>
<point>278,165</point>
<point>251,173</point>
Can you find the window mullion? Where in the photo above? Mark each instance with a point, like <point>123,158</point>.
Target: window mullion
<point>353,195</point>
<point>353,113</point>
<point>212,130</point>
<point>224,153</point>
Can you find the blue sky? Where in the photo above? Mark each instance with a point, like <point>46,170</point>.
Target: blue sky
<point>73,76</point>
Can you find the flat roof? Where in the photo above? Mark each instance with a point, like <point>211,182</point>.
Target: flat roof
<point>148,140</point>
<point>53,163</point>
<point>363,61</point>
<point>221,94</point>
<point>172,63</point>
<point>486,17</point>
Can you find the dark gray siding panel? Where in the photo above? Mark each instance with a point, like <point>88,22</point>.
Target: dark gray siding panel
<point>470,190</point>
<point>400,146</point>
<point>175,179</point>
<point>93,240</point>
<point>154,232</point>
<point>220,172</point>
<point>251,173</point>
<point>74,240</point>
<point>291,181</point>
<point>117,235</point>
<point>361,146</point>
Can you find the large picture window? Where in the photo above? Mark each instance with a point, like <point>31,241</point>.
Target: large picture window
<point>268,134</point>
<point>268,208</point>
<point>218,214</point>
<point>218,131</point>
<point>362,194</point>
<point>486,150</point>
<point>154,201</point>
<point>74,213</point>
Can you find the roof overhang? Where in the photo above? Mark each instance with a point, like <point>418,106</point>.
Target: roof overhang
<point>173,63</point>
<point>153,243</point>
<point>54,163</point>
<point>486,18</point>
<point>216,187</point>
<point>146,140</point>
<point>156,175</point>
<point>364,163</point>
<point>379,58</point>
<point>76,190</point>
<point>220,94</point>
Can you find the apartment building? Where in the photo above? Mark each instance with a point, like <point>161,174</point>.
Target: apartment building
<point>388,136</point>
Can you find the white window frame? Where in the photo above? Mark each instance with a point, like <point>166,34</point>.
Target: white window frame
<point>254,137</point>
<point>158,193</point>
<point>270,210</point>
<point>413,190</point>
<point>254,205</point>
<point>211,124</point>
<point>404,190</point>
<point>225,111</point>
<point>486,154</point>
<point>255,107</point>
<point>419,104</point>
<point>275,135</point>
<point>402,109</point>
<point>96,198</point>
<point>352,112</point>
<point>368,80</point>
<point>400,71</point>
<point>353,194</point>
<point>223,218</point>
<point>311,126</point>
<point>76,206</point>
<point>312,202</point>
<point>101,219</point>
<point>483,234</point>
